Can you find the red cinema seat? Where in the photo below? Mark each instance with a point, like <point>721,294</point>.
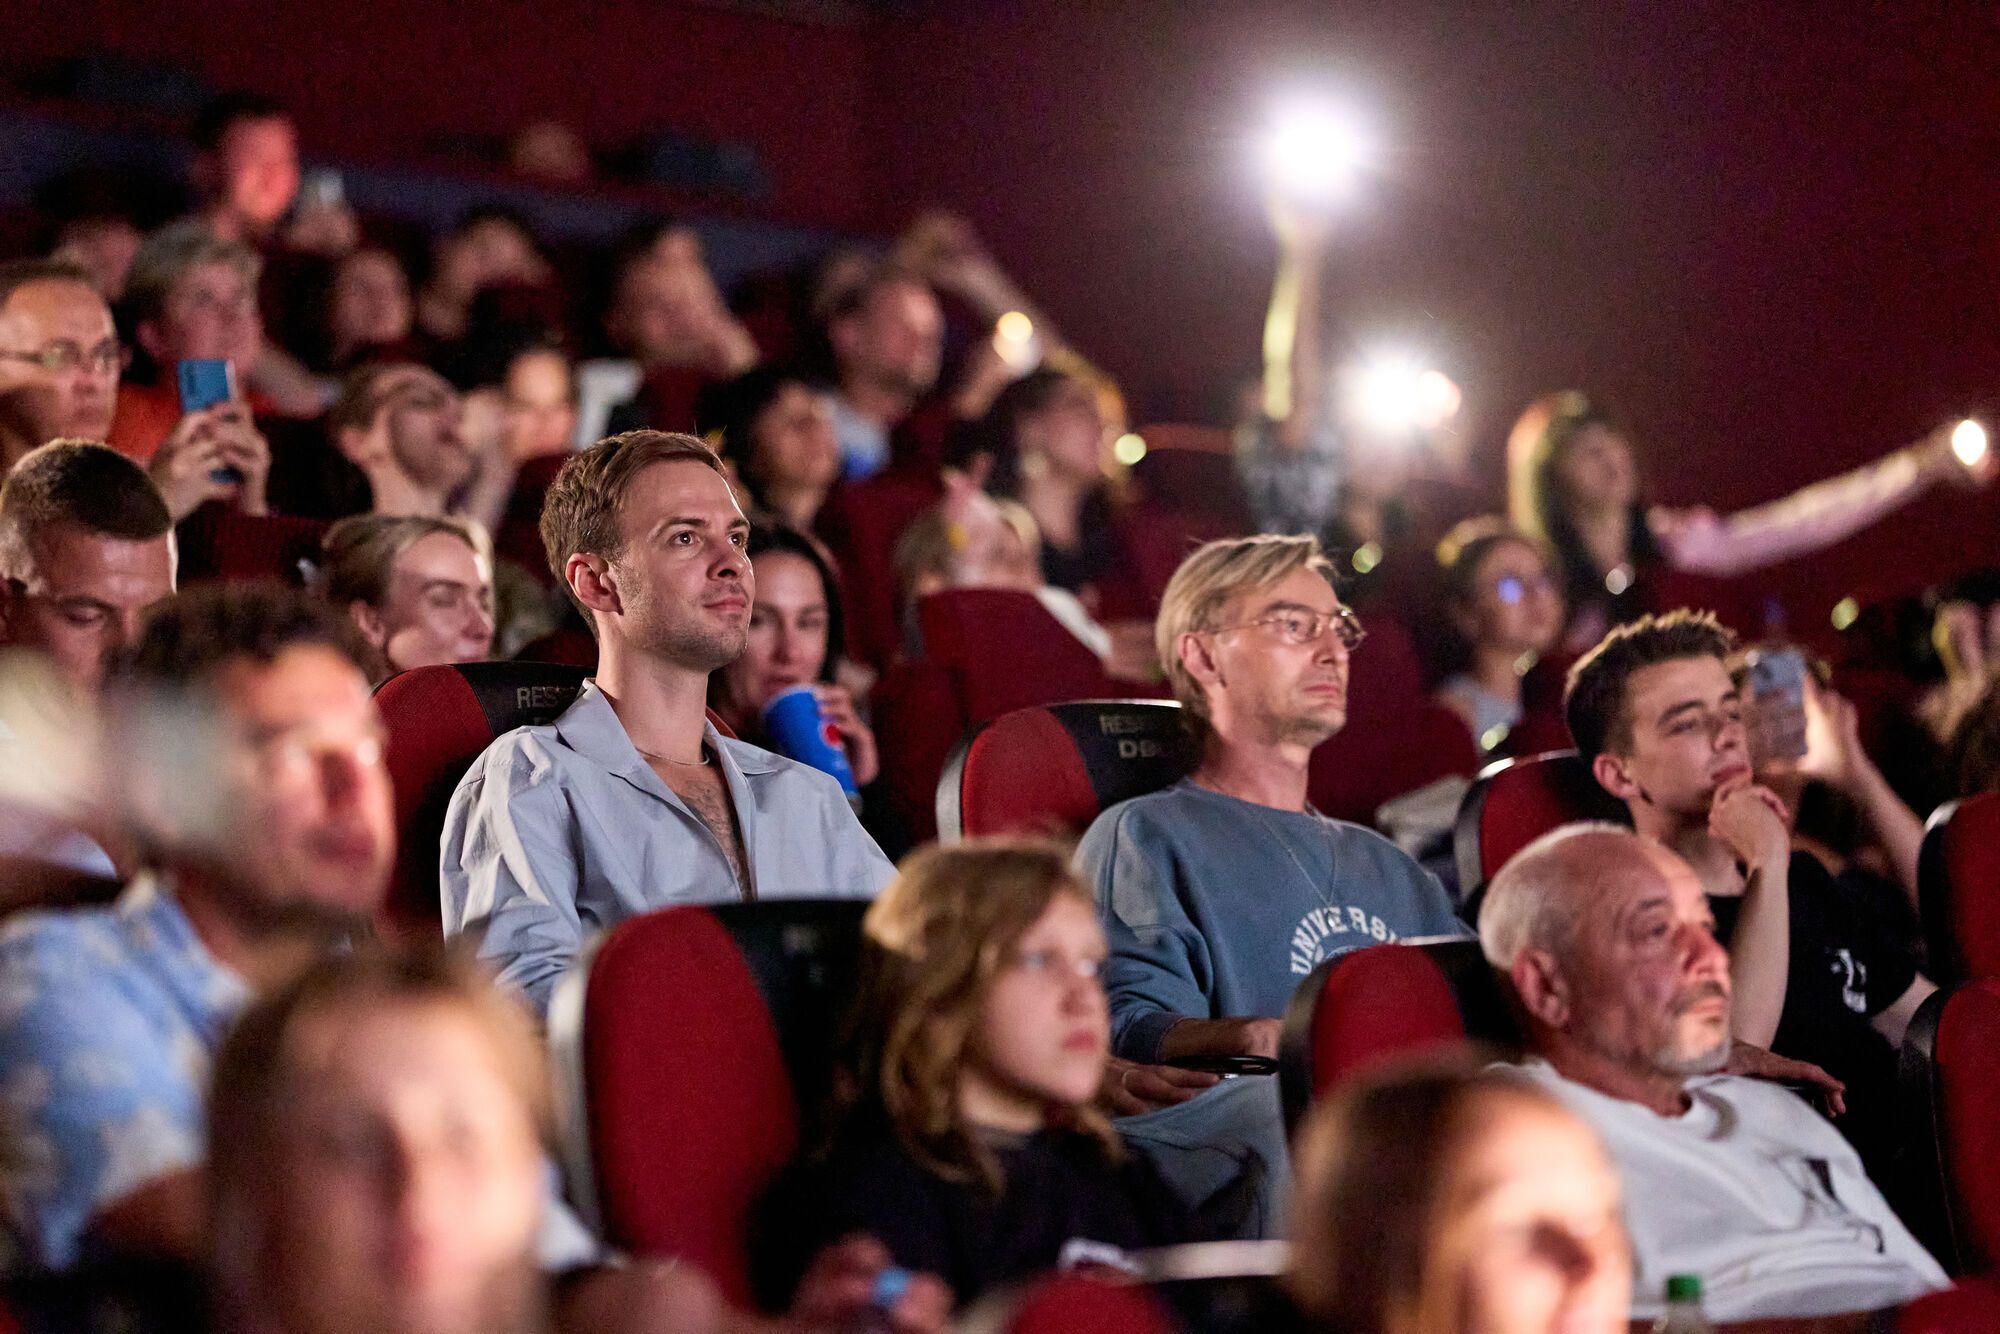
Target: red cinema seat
<point>1049,770</point>
<point>439,719</point>
<point>1396,739</point>
<point>1080,1304</point>
<point>860,524</point>
<point>1373,1005</point>
<point>917,722</point>
<point>217,542</point>
<point>1006,652</point>
<point>686,1044</point>
<point>1972,1307</point>
<point>1950,1081</point>
<point>1515,802</point>
<point>1958,888</point>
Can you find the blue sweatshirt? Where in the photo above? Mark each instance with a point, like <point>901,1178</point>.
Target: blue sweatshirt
<point>1217,908</point>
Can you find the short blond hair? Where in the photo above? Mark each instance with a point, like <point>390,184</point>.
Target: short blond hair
<point>1203,586</point>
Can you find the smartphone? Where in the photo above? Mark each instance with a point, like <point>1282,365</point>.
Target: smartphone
<point>1777,684</point>
<point>204,382</point>
<point>1227,1065</point>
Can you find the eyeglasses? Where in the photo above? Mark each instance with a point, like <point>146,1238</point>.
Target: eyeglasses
<point>61,358</point>
<point>1511,588</point>
<point>1299,627</point>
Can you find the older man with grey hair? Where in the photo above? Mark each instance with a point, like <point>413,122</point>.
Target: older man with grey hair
<point>1605,944</point>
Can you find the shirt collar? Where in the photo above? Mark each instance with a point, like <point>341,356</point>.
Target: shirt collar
<point>157,923</point>
<point>591,728</point>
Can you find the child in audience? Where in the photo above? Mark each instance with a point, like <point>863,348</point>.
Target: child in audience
<point>1503,601</point>
<point>1447,1200</point>
<point>419,589</point>
<point>795,638</point>
<point>965,1139</point>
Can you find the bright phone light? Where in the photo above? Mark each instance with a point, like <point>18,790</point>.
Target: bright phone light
<point>1398,393</point>
<point>1968,441</point>
<point>1314,151</point>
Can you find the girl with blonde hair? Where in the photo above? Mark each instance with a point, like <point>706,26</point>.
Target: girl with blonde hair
<point>965,1139</point>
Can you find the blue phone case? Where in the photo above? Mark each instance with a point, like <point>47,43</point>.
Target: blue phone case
<point>205,381</point>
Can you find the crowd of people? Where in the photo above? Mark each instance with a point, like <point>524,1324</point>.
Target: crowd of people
<point>223,1089</point>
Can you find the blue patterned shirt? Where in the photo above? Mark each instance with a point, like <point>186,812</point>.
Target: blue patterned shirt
<point>109,1018</point>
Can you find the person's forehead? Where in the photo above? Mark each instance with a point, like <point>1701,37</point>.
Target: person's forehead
<point>72,561</point>
<point>258,132</point>
<point>376,1050</point>
<point>1660,686</point>
<point>788,580</point>
<point>305,683</point>
<point>1508,556</point>
<point>439,556</point>
<point>674,487</point>
<point>1303,587</point>
<point>212,275</point>
<point>57,308</point>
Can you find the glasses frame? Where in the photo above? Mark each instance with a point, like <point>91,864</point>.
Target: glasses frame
<point>1346,625</point>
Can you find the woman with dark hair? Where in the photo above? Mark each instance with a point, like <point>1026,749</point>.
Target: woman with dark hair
<point>796,633</point>
<point>1447,1199</point>
<point>1573,482</point>
<point>1501,599</point>
<point>1044,438</point>
<point>965,1138</point>
<point>776,430</point>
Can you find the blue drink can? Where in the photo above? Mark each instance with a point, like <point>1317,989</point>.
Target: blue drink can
<point>799,731</point>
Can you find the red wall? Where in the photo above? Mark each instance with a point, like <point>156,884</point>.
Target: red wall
<point>1770,232</point>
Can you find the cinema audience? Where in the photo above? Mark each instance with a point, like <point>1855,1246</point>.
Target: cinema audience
<point>418,589</point>
<point>966,1140</point>
<point>631,800</point>
<point>59,357</point>
<point>489,247</point>
<point>402,428</point>
<point>1504,605</point>
<point>1815,974</point>
<point>1607,949</point>
<point>1573,481</point>
<point>1440,1199</point>
<point>795,636</point>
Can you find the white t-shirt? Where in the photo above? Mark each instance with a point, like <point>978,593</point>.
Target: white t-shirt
<point>1752,1192</point>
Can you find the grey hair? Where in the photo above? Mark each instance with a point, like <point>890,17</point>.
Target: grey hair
<point>1533,901</point>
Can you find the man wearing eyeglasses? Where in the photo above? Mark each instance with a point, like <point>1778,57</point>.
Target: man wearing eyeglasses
<point>59,357</point>
<point>1222,892</point>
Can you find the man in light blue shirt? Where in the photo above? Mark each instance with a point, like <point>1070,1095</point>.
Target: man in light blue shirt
<point>631,800</point>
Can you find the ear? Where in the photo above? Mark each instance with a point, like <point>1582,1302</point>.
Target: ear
<point>353,444</point>
<point>1197,655</point>
<point>1612,775</point>
<point>369,622</point>
<point>594,583</point>
<point>1543,990</point>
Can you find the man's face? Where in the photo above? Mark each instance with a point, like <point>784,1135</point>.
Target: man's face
<point>258,161</point>
<point>71,384</point>
<point>1687,737</point>
<point>1266,687</point>
<point>303,820</point>
<point>665,312</point>
<point>210,313</point>
<point>1648,983</point>
<point>407,1183</point>
<point>682,578</point>
<point>84,595</point>
<point>425,415</point>
<point>896,340</point>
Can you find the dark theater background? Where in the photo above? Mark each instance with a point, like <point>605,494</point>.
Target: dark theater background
<point>1767,232</point>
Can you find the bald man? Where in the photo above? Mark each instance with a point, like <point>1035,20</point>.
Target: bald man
<point>1605,943</point>
<point>59,357</point>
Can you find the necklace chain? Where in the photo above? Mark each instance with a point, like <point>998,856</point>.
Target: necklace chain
<point>1332,854</point>
<point>666,759</point>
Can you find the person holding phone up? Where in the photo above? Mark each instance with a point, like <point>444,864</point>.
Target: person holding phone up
<point>193,298</point>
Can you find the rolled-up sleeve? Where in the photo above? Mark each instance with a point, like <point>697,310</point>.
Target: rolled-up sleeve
<point>1155,975</point>
<point>509,873</point>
